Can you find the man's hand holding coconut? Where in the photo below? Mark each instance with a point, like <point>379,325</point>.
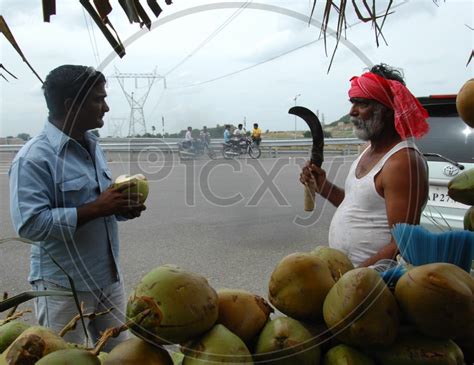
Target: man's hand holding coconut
<point>119,199</point>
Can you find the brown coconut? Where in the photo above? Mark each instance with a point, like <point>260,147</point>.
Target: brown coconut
<point>299,284</point>
<point>217,346</point>
<point>360,309</point>
<point>242,312</point>
<point>439,299</point>
<point>337,261</point>
<point>414,349</point>
<point>136,351</point>
<point>32,345</point>
<point>286,341</point>
<point>465,103</point>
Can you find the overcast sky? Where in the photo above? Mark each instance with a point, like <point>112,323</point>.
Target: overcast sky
<point>430,42</point>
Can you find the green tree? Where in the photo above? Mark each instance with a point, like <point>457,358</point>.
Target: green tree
<point>23,136</point>
<point>307,134</point>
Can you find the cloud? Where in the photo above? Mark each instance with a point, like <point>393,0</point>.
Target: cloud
<point>430,43</point>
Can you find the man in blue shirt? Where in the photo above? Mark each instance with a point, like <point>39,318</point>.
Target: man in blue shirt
<point>61,197</point>
<point>227,134</point>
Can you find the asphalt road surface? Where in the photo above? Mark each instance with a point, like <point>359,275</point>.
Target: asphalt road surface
<point>230,221</point>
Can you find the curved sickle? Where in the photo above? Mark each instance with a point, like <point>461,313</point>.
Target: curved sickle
<point>317,155</point>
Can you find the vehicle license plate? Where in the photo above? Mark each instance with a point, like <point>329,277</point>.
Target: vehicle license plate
<point>438,196</point>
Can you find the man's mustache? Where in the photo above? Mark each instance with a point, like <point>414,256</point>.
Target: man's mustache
<point>357,122</point>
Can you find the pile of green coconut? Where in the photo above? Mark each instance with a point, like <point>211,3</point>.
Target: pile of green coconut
<point>319,310</point>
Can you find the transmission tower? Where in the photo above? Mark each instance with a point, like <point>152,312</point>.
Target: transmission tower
<point>136,102</point>
<point>117,124</point>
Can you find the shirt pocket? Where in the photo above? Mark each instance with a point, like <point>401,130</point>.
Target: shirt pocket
<point>106,179</point>
<point>75,191</point>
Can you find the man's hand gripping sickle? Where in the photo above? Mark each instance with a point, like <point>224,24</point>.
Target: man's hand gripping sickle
<point>316,152</point>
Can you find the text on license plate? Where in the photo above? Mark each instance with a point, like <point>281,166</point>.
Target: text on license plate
<point>438,195</point>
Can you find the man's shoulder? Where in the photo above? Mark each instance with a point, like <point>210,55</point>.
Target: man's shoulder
<point>405,156</point>
<point>406,163</point>
<point>36,148</point>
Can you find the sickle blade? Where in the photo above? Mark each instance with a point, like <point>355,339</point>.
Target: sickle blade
<point>317,152</point>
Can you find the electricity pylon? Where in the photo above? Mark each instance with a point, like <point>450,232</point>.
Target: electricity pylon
<point>137,117</point>
<point>117,124</point>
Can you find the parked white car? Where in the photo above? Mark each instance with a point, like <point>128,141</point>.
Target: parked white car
<point>449,149</point>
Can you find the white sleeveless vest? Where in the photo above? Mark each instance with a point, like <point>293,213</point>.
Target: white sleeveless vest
<point>359,226</point>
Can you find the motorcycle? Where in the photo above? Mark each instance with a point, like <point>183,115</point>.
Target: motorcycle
<point>194,149</point>
<point>236,148</point>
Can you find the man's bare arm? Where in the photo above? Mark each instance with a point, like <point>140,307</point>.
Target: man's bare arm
<point>404,180</point>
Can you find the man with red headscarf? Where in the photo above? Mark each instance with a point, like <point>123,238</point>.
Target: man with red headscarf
<point>388,182</point>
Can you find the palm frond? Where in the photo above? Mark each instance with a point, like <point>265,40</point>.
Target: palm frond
<point>71,282</point>
<point>378,21</point>
<point>24,297</point>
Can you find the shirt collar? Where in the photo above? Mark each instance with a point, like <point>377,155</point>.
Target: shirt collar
<point>59,139</point>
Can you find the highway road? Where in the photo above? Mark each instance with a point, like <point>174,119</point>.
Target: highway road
<point>230,221</point>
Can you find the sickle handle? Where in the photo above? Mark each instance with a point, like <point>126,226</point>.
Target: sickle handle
<point>309,198</point>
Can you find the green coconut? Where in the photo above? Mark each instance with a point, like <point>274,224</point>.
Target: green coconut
<point>182,305</point>
<point>461,187</point>
<point>299,284</point>
<point>337,261</point>
<point>360,309</point>
<point>346,355</point>
<point>439,299</point>
<point>286,341</point>
<point>413,349</point>
<point>140,187</point>
<point>242,312</point>
<point>9,332</point>
<point>218,346</point>
<point>469,219</point>
<point>32,345</point>
<point>136,351</point>
<point>69,357</point>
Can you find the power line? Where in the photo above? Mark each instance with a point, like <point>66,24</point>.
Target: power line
<point>95,39</point>
<point>210,37</point>
<point>94,50</point>
<point>157,103</point>
<point>246,68</point>
<point>268,59</point>
<point>200,46</point>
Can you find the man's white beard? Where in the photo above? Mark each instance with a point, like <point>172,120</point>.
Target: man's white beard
<point>370,128</point>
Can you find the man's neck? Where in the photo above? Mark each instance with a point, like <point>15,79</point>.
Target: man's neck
<point>385,141</point>
<point>68,130</point>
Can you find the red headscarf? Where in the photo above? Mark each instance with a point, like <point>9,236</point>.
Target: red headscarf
<point>410,116</point>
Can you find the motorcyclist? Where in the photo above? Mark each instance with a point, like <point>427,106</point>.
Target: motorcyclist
<point>205,136</point>
<point>240,135</point>
<point>240,131</point>
<point>227,134</point>
<point>188,139</point>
